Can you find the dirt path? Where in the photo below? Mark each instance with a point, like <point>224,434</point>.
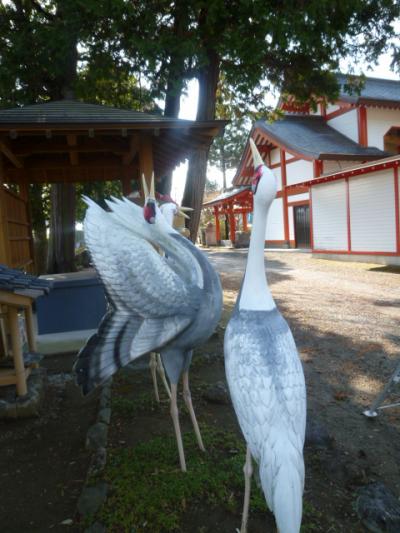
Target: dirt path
<point>43,461</point>
<point>345,318</point>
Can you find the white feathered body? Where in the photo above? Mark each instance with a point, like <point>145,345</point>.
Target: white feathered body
<point>266,383</point>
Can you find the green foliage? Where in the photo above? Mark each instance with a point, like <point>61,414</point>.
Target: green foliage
<point>148,487</point>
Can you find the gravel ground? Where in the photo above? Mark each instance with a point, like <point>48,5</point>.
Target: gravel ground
<point>345,319</point>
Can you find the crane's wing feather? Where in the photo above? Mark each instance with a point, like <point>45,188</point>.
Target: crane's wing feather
<point>137,278</point>
<point>267,386</point>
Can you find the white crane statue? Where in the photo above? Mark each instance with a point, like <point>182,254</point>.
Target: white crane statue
<point>167,305</point>
<point>265,376</point>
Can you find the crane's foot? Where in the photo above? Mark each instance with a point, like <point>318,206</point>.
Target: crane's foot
<point>248,472</point>
<point>370,414</point>
<point>153,367</point>
<point>175,420</point>
<point>160,370</point>
<point>188,401</point>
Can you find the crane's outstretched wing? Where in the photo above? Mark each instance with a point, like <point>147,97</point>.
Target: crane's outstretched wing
<point>150,304</point>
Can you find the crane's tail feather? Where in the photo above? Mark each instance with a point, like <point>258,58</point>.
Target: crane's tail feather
<point>107,350</point>
<point>282,479</point>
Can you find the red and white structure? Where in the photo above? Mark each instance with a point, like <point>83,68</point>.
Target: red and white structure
<point>337,171</point>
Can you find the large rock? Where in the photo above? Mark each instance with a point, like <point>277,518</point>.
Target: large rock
<point>96,436</point>
<point>217,393</point>
<point>92,498</point>
<point>378,509</point>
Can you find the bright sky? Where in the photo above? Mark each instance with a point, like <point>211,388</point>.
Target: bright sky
<point>189,108</point>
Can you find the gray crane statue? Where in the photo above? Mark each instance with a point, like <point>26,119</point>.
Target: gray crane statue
<point>265,376</point>
<point>165,304</point>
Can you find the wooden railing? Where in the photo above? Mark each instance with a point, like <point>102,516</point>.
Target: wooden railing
<point>16,250</point>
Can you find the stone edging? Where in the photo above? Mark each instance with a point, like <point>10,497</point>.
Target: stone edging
<point>93,496</point>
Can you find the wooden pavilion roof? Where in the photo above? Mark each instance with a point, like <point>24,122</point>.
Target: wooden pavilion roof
<point>68,140</point>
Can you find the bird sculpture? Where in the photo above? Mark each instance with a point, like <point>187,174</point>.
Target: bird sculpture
<point>167,305</point>
<point>265,376</point>
<point>170,209</point>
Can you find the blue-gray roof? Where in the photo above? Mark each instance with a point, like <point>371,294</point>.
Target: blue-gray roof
<point>311,137</point>
<point>13,280</point>
<point>373,90</point>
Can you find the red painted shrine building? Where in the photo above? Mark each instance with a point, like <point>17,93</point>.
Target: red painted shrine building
<point>337,171</point>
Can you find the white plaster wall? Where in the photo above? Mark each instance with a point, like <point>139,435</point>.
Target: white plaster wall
<point>372,212</point>
<point>291,223</point>
<point>330,108</point>
<point>277,172</point>
<point>274,231</point>
<point>329,216</point>
<point>379,121</point>
<point>275,157</point>
<point>336,166</point>
<point>346,124</point>
<point>298,197</point>
<point>299,171</point>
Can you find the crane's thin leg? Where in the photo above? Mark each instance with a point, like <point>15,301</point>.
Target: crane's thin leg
<point>160,369</point>
<point>248,472</point>
<point>188,401</point>
<point>175,420</point>
<point>153,366</point>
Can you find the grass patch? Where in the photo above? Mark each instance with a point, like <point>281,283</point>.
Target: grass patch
<point>150,493</point>
<point>127,407</point>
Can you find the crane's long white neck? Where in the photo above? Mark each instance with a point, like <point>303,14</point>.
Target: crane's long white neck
<point>255,294</point>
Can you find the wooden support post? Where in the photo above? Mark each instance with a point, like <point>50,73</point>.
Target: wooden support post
<point>17,352</point>
<point>30,330</point>
<point>244,219</point>
<point>284,198</point>
<point>146,157</point>
<point>217,226</point>
<point>232,226</point>
<point>362,125</point>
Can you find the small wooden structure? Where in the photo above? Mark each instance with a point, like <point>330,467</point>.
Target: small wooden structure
<point>235,203</point>
<point>72,141</point>
<point>17,291</point>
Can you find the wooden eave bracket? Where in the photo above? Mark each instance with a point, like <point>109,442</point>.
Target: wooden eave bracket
<point>6,150</point>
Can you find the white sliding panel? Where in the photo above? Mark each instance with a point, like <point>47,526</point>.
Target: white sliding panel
<point>274,230</point>
<point>329,216</point>
<point>372,212</point>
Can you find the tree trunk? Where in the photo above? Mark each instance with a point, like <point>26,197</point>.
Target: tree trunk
<point>61,257</point>
<point>176,71</point>
<point>197,171</point>
<point>61,253</point>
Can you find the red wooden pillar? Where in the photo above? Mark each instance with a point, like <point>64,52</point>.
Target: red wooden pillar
<point>362,125</point>
<point>244,218</point>
<point>284,197</point>
<point>217,228</point>
<point>317,167</point>
<point>232,226</point>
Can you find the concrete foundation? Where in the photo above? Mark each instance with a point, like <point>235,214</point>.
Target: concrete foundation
<point>365,258</point>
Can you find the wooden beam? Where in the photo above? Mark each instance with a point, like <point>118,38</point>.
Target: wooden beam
<point>146,165</point>
<point>73,156</point>
<point>5,148</point>
<point>31,146</point>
